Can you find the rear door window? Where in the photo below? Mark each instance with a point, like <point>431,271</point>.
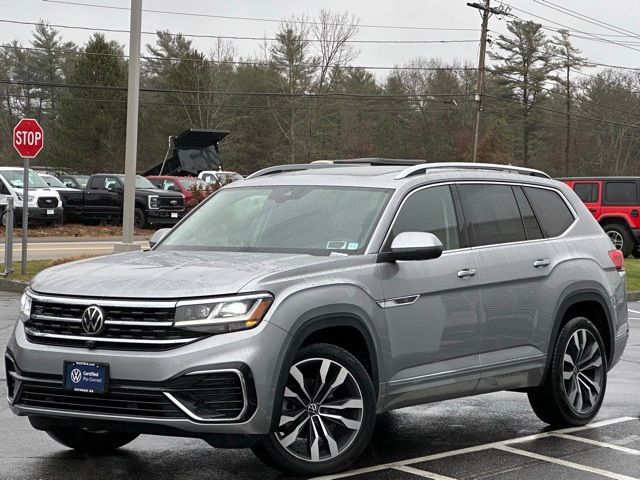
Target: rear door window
<point>492,213</point>
<point>551,210</point>
<point>429,210</point>
<point>621,193</point>
<point>587,192</point>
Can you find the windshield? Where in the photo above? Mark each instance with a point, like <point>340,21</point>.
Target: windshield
<point>141,182</point>
<point>190,183</point>
<point>296,219</point>
<point>52,181</point>
<point>14,177</point>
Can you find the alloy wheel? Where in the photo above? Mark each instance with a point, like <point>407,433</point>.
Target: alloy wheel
<point>322,410</point>
<point>583,371</point>
<point>616,238</point>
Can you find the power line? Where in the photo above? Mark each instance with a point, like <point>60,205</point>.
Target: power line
<point>228,62</point>
<point>232,93</point>
<point>234,37</point>
<point>259,19</point>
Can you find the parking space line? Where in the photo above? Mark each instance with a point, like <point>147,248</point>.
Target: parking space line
<point>565,463</point>
<point>612,446</point>
<point>634,311</point>
<point>422,473</point>
<point>477,448</point>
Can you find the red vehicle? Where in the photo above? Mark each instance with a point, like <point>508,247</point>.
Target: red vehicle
<point>184,185</point>
<point>615,203</point>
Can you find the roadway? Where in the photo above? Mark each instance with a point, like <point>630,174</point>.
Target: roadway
<point>493,436</point>
<point>42,249</point>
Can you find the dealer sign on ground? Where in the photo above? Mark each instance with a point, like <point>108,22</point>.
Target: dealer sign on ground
<point>28,137</point>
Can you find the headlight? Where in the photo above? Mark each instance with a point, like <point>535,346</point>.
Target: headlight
<point>154,201</point>
<point>25,307</point>
<point>220,315</point>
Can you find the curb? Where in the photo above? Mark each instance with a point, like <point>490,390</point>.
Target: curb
<point>13,286</point>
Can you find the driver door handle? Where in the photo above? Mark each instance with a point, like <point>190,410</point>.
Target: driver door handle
<point>542,262</point>
<point>467,273</point>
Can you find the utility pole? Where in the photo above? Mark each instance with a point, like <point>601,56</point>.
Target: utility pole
<point>133,93</point>
<point>486,13</point>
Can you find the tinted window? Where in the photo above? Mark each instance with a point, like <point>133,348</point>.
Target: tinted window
<point>587,192</point>
<point>96,183</point>
<point>492,214</point>
<point>551,210</point>
<point>621,192</point>
<point>531,225</point>
<point>429,210</point>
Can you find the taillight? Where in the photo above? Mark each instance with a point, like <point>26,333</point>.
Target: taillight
<point>617,258</point>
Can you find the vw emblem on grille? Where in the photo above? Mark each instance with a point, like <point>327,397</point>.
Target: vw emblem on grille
<point>173,202</point>
<point>93,320</point>
<point>76,375</point>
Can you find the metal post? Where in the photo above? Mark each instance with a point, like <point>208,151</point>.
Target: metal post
<point>480,80</point>
<point>132,124</point>
<point>25,215</point>
<point>8,243</point>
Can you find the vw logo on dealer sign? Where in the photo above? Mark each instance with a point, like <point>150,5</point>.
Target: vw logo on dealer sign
<point>93,320</point>
<point>76,375</point>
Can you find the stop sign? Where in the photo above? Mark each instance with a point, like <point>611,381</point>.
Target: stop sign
<point>28,137</point>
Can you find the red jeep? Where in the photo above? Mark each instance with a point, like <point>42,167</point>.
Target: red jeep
<point>615,203</point>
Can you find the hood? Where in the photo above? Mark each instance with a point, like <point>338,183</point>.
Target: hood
<point>158,191</point>
<point>66,190</point>
<point>36,191</point>
<point>165,274</point>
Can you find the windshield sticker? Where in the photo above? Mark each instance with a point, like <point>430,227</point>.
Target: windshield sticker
<point>336,245</point>
<point>352,246</point>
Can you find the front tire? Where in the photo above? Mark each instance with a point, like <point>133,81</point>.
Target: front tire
<point>139,219</point>
<point>575,385</point>
<point>327,416</point>
<point>91,441</point>
<point>620,237</point>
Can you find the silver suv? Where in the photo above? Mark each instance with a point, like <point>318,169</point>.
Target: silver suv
<point>291,308</point>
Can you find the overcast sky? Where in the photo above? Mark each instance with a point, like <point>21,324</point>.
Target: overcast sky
<point>417,13</point>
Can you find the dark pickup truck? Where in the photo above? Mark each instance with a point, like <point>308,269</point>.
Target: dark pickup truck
<point>103,200</point>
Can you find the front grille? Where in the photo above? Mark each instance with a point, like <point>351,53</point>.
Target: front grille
<point>47,202</point>
<point>171,203</point>
<point>125,327</point>
<point>213,396</point>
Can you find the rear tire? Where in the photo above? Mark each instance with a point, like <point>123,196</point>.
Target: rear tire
<point>91,441</point>
<point>621,238</point>
<point>576,382</point>
<point>327,416</point>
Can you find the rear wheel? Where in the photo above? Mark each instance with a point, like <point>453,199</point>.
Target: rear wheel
<point>620,237</point>
<point>90,440</point>
<point>574,389</point>
<point>327,416</point>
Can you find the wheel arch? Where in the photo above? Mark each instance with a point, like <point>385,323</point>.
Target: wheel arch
<point>592,304</point>
<point>617,218</point>
<point>312,326</point>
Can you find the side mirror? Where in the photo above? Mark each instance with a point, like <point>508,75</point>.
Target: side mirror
<point>157,236</point>
<point>412,246</point>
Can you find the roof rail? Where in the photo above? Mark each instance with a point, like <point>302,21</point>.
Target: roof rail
<point>425,167</point>
<point>375,161</point>
<point>292,167</point>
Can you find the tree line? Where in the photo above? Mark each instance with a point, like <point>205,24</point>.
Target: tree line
<point>302,97</point>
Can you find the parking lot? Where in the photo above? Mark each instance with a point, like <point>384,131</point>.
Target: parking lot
<point>493,436</point>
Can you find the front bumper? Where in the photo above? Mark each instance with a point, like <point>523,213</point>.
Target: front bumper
<point>164,217</point>
<point>39,214</point>
<point>256,353</point>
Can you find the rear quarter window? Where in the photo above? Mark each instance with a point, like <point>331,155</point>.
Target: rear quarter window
<point>621,193</point>
<point>587,192</point>
<point>551,210</point>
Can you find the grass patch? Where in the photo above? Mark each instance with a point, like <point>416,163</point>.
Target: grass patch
<point>632,266</point>
<point>36,266</point>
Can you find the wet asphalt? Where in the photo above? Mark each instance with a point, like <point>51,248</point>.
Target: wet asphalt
<point>410,433</point>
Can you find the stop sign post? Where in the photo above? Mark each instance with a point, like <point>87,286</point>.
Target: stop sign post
<point>28,140</point>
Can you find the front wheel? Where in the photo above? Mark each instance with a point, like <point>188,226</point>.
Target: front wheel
<point>89,440</point>
<point>327,416</point>
<point>574,389</point>
<point>139,220</point>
